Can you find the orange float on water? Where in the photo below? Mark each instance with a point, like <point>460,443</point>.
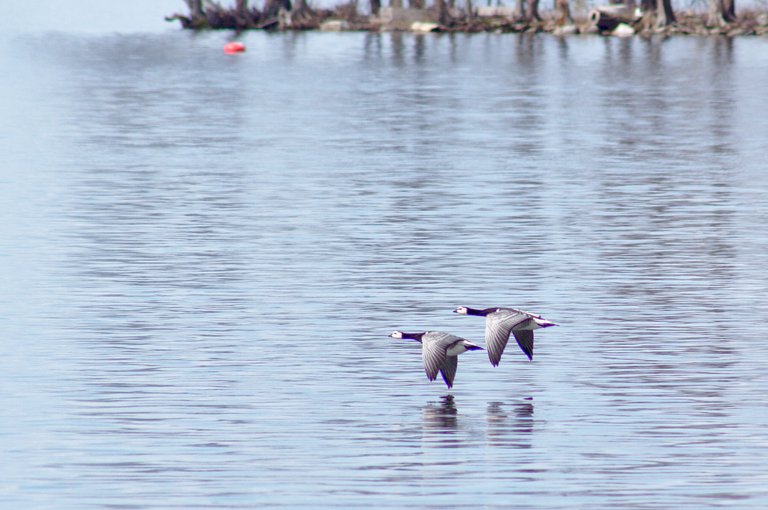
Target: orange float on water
<point>234,47</point>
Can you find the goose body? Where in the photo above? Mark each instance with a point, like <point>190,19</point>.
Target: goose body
<point>439,352</point>
<point>501,322</point>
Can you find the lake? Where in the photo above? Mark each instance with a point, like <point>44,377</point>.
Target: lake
<point>203,256</point>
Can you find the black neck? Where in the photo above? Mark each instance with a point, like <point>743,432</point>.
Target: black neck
<point>413,336</point>
<point>481,313</point>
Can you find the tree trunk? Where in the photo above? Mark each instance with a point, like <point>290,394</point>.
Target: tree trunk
<point>729,10</point>
<point>714,16</point>
<point>533,11</point>
<point>396,4</point>
<point>470,9</point>
<point>272,7</point>
<point>416,4</point>
<point>243,20</point>
<point>721,12</point>
<point>648,6</point>
<point>195,8</point>
<point>442,11</point>
<point>375,6</point>
<point>563,12</point>
<point>519,9</point>
<point>664,14</point>
<point>301,7</point>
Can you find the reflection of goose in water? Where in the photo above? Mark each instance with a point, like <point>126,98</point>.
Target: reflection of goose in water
<point>510,424</point>
<point>442,417</point>
<point>501,322</point>
<point>440,352</point>
<point>440,426</point>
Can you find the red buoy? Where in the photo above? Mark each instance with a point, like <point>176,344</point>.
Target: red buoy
<point>234,47</point>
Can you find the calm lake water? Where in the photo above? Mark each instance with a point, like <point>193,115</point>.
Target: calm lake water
<point>203,255</point>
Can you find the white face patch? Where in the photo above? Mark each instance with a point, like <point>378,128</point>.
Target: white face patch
<point>396,334</point>
<point>462,310</point>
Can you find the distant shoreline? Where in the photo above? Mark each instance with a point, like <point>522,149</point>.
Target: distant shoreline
<point>602,21</point>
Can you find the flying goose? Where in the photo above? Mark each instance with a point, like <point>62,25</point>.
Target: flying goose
<point>500,322</point>
<point>440,352</point>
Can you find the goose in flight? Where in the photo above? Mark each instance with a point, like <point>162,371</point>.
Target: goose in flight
<point>500,322</point>
<point>439,351</point>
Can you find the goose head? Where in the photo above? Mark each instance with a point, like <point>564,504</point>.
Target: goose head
<point>462,310</point>
<point>397,334</point>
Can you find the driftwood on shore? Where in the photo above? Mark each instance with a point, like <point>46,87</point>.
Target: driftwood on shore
<point>613,19</point>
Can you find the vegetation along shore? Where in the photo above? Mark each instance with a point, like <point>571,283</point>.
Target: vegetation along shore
<point>647,17</point>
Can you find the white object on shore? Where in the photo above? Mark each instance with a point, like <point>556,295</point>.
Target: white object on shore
<point>334,25</point>
<point>566,30</point>
<point>623,30</point>
<point>424,27</point>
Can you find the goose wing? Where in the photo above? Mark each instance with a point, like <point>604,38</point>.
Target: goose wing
<point>523,312</point>
<point>525,341</point>
<point>448,370</point>
<point>498,326</point>
<point>434,347</point>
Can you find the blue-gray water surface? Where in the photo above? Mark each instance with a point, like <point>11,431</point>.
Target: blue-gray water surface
<point>203,255</point>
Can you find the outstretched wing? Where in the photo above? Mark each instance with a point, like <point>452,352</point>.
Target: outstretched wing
<point>433,353</point>
<point>525,341</point>
<point>448,370</point>
<point>498,326</point>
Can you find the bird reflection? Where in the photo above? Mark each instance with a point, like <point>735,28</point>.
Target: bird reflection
<point>510,424</point>
<point>440,424</point>
<point>442,417</point>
